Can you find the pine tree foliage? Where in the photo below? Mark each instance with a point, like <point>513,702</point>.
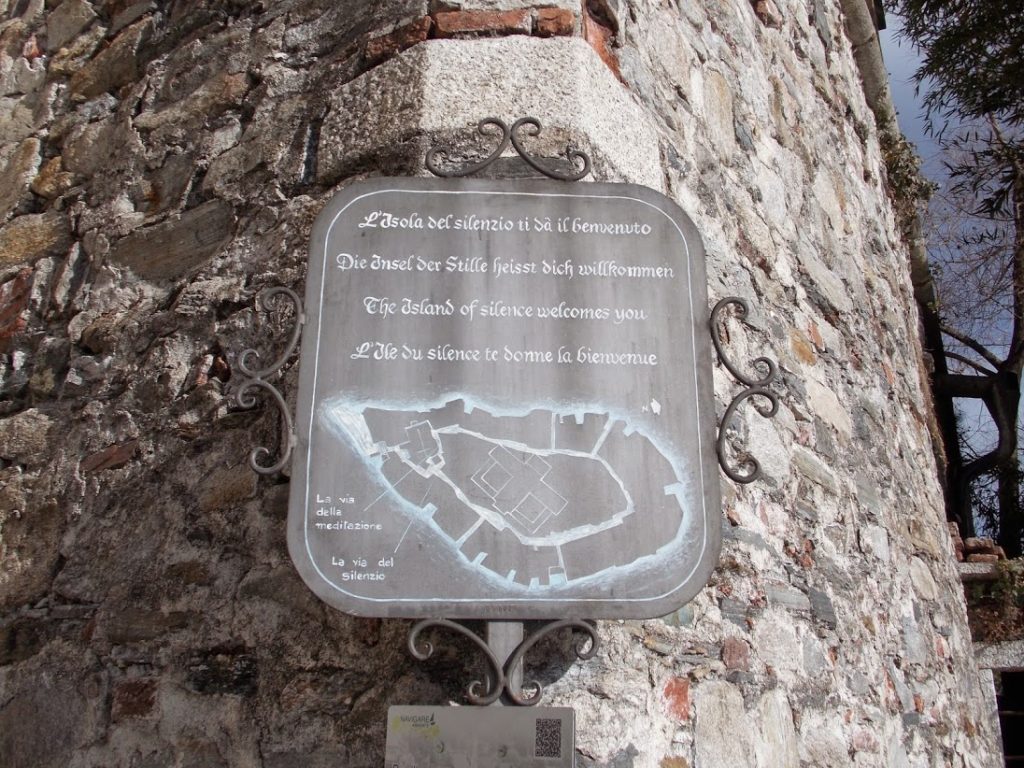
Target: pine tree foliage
<point>972,52</point>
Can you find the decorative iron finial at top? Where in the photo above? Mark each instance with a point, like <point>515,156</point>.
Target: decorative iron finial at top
<point>486,127</point>
<point>755,387</point>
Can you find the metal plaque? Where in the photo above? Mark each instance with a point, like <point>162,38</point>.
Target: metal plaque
<point>505,405</point>
<point>480,737</point>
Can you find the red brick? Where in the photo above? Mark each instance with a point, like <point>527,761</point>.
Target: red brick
<point>735,654</point>
<point>889,375</point>
<point>133,698</point>
<point>220,369</point>
<point>677,697</point>
<point>600,39</point>
<point>482,23</point>
<point>14,296</point>
<point>385,46</point>
<point>958,543</point>
<point>111,457</point>
<point>31,50</point>
<point>976,558</point>
<point>802,347</point>
<point>555,22</point>
<point>864,741</point>
<point>768,13</point>
<point>815,335</point>
<point>981,546</point>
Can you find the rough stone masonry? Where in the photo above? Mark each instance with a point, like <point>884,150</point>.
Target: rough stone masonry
<point>162,162</point>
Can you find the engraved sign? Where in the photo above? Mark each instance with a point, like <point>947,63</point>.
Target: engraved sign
<point>505,403</point>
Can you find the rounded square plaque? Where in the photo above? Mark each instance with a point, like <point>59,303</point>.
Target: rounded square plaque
<point>505,406</point>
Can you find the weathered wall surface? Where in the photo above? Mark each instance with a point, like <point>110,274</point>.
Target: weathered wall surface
<point>163,161</point>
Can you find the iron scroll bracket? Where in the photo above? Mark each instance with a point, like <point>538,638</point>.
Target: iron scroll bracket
<point>755,387</point>
<point>492,125</point>
<point>503,678</point>
<point>256,379</point>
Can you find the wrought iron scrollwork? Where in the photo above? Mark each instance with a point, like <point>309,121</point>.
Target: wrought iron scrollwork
<point>755,387</point>
<point>583,652</point>
<point>484,127</point>
<point>257,380</point>
<point>423,650</point>
<point>499,676</point>
<point>574,155</point>
<point>511,136</point>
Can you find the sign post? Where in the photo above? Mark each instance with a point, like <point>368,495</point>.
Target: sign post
<point>505,411</point>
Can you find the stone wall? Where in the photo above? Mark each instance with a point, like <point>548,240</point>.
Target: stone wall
<point>162,162</point>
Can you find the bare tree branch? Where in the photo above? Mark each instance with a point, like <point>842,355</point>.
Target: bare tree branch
<point>967,341</point>
<point>967,361</point>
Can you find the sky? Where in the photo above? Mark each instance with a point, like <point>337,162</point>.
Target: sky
<point>901,61</point>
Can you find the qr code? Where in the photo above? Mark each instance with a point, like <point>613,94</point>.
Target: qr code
<point>548,742</point>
